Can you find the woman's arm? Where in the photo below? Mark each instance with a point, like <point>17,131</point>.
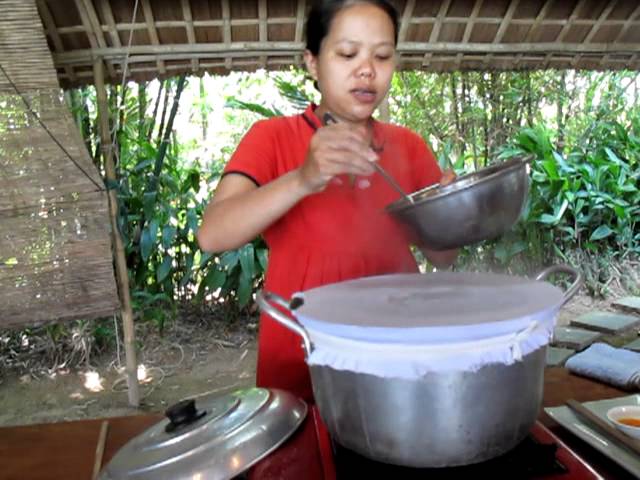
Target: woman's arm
<point>240,210</point>
<point>441,258</point>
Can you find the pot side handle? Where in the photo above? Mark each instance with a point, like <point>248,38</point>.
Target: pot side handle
<point>265,300</point>
<point>573,288</point>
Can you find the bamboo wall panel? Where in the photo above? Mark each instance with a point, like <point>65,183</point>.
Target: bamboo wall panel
<point>55,247</point>
<point>24,53</point>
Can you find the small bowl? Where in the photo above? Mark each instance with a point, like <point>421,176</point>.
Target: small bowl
<point>617,415</point>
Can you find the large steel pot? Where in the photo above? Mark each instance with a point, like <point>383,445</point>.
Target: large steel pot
<point>442,419</point>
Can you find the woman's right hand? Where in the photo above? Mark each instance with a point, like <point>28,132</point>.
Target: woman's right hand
<point>335,150</point>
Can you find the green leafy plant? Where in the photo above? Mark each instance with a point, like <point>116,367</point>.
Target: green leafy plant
<point>583,202</point>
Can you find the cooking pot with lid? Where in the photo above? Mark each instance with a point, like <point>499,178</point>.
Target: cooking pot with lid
<point>432,370</point>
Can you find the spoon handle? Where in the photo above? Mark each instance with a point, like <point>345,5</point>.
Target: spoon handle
<point>328,118</point>
<point>391,181</point>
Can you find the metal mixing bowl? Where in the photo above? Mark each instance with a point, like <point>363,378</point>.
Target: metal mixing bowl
<point>479,206</point>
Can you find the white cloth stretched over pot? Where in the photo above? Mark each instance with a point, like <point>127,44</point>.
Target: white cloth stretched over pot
<point>411,361</point>
<point>436,308</point>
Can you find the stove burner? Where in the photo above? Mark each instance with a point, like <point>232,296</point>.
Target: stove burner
<point>528,460</point>
<point>309,455</point>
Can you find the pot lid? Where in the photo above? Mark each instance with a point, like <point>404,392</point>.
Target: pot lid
<point>428,308</point>
<point>215,438</point>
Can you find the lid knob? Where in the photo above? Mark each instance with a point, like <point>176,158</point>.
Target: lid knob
<point>181,414</point>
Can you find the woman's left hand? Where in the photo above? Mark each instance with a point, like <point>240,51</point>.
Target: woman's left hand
<point>448,176</point>
<point>442,258</point>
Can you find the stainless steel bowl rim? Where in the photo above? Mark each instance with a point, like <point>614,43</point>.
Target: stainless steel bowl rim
<point>484,175</point>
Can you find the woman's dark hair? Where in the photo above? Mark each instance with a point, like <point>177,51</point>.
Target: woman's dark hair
<point>323,11</point>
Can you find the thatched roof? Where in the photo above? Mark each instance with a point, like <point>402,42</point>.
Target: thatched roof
<point>55,246</point>
<point>192,36</point>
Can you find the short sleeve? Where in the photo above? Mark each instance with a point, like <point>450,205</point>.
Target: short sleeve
<point>426,168</point>
<point>255,155</point>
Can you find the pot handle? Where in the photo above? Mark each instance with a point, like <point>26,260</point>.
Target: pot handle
<point>264,300</point>
<point>573,288</point>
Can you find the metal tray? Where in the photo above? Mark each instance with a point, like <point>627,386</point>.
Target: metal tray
<point>593,436</point>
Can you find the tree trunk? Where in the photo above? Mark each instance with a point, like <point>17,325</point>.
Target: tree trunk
<point>164,113</point>
<point>456,113</point>
<point>112,115</point>
<point>469,127</point>
<point>162,149</point>
<point>560,109</point>
<point>155,111</point>
<point>142,109</point>
<point>494,107</point>
<point>81,113</point>
<point>485,116</point>
<point>204,115</point>
<point>152,186</point>
<point>88,129</point>
<point>529,100</point>
<point>121,118</point>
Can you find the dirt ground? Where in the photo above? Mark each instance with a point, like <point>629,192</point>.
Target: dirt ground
<point>190,359</point>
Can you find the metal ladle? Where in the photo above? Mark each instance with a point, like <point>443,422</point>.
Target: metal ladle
<point>328,118</point>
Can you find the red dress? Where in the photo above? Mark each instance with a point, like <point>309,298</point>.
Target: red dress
<point>338,234</point>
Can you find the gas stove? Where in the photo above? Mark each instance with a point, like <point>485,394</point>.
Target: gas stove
<point>538,456</point>
<point>308,454</point>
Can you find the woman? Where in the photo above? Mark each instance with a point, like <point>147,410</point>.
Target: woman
<point>310,188</point>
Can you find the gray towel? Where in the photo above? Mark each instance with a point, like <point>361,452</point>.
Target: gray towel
<point>615,366</point>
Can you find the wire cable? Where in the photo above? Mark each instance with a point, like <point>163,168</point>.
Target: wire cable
<point>125,66</point>
<point>101,188</point>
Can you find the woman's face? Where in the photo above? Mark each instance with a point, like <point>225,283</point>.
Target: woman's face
<point>355,63</point>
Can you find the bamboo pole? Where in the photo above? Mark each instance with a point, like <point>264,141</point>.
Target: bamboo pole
<point>121,264</point>
<point>141,53</point>
<point>102,439</point>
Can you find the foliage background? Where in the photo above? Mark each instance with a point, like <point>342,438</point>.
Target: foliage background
<point>174,138</point>
<point>582,129</point>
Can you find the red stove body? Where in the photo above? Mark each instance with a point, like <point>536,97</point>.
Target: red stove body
<point>309,455</point>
